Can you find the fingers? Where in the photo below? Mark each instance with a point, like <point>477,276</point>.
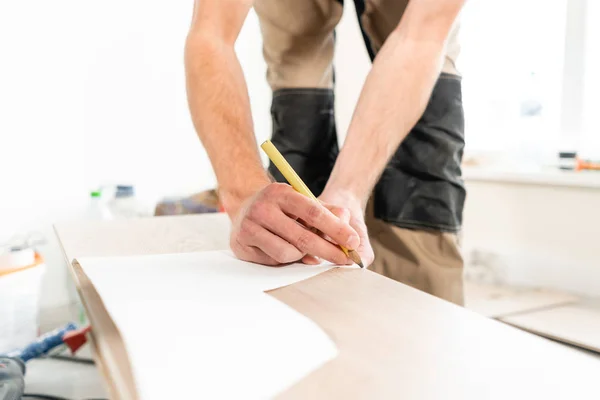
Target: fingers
<point>251,254</point>
<point>311,260</point>
<point>254,235</point>
<point>316,215</point>
<point>266,230</point>
<point>303,239</point>
<point>364,250</point>
<point>342,213</point>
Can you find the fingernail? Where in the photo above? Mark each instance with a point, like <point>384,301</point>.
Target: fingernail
<point>353,242</point>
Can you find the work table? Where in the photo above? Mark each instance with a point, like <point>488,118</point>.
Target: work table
<point>394,341</point>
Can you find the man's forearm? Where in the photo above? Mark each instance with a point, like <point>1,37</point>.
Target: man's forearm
<point>394,97</point>
<point>220,108</point>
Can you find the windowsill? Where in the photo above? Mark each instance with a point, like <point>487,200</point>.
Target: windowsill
<point>541,176</point>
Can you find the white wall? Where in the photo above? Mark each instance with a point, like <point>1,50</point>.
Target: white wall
<point>41,124</point>
<point>135,103</point>
<point>93,93</point>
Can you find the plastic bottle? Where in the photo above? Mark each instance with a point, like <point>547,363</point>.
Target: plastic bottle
<point>125,204</point>
<point>97,209</point>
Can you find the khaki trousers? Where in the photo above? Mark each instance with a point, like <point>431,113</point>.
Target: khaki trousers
<point>427,260</point>
<point>298,37</point>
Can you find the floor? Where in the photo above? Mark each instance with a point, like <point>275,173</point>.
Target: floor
<point>64,379</point>
<point>549,313</point>
<point>67,379</point>
<point>78,381</point>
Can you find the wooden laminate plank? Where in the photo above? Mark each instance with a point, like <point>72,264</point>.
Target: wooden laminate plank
<point>574,324</point>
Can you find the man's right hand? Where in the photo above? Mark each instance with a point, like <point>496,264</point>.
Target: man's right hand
<point>267,229</point>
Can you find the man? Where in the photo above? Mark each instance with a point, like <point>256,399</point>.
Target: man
<point>400,162</point>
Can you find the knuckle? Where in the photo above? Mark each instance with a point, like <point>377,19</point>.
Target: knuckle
<point>287,197</point>
<point>337,211</point>
<point>277,188</point>
<point>258,211</point>
<point>247,227</point>
<point>285,256</point>
<point>269,189</point>
<point>304,242</point>
<point>313,214</point>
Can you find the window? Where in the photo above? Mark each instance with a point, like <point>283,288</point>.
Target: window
<point>526,93</point>
<point>590,141</point>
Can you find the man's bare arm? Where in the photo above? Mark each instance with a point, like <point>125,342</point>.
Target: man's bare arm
<point>218,99</point>
<point>264,215</point>
<point>393,98</point>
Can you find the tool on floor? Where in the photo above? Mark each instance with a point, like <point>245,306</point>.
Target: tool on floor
<point>12,381</point>
<point>12,364</point>
<point>293,179</point>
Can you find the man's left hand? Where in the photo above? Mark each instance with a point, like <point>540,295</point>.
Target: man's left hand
<point>349,208</point>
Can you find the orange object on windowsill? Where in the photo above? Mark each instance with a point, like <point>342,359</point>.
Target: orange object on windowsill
<point>586,165</point>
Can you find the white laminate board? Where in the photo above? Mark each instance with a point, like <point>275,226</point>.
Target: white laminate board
<point>203,320</point>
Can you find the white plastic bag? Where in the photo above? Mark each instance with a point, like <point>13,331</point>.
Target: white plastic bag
<point>19,306</point>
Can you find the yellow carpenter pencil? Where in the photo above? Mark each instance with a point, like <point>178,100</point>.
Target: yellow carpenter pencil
<point>294,180</point>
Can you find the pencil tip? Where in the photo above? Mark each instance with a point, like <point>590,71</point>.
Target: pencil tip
<point>353,255</point>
